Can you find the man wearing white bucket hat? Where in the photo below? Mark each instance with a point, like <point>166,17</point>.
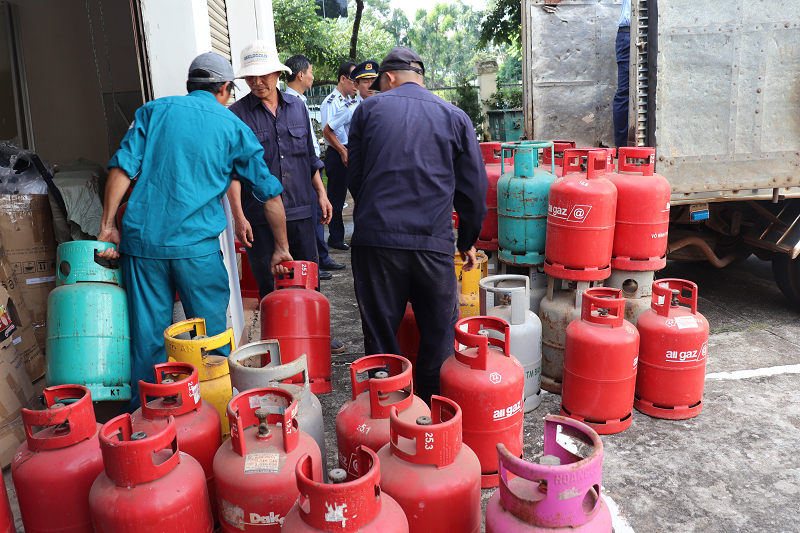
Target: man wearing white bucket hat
<point>281,124</point>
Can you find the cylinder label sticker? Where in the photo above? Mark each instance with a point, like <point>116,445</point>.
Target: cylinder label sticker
<point>335,513</point>
<point>685,322</point>
<point>233,514</point>
<point>194,390</point>
<point>262,463</point>
<point>269,402</point>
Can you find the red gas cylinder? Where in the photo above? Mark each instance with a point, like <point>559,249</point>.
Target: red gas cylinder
<point>431,474</point>
<point>255,470</point>
<point>6,516</point>
<point>54,470</point>
<point>556,153</point>
<point>580,219</point>
<point>357,505</point>
<point>640,238</point>
<point>148,486</point>
<point>487,382</point>
<point>487,240</point>
<point>672,353</point>
<point>364,419</point>
<point>299,317</point>
<point>196,421</point>
<point>408,338</point>
<point>600,359</point>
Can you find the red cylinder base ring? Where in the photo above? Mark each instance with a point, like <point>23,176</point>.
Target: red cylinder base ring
<point>586,274</point>
<point>635,265</point>
<point>608,427</point>
<point>487,246</point>
<point>679,412</point>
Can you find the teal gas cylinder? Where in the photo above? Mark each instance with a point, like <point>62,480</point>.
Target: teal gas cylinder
<point>522,195</point>
<point>88,333</point>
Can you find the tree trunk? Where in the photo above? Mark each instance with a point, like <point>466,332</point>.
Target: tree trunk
<point>356,24</point>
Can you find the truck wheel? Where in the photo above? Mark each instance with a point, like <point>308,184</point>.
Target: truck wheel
<point>786,272</point>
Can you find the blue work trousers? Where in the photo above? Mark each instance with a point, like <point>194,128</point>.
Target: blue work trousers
<point>623,89</point>
<point>337,192</point>
<point>322,248</point>
<point>201,283</point>
<point>385,279</point>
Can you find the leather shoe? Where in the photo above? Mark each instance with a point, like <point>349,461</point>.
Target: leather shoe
<point>334,266</point>
<point>338,245</point>
<point>325,276</point>
<point>336,347</point>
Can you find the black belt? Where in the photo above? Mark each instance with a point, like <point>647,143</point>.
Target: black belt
<point>624,29</point>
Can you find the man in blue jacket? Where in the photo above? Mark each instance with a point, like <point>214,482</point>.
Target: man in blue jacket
<point>183,150</point>
<point>412,158</point>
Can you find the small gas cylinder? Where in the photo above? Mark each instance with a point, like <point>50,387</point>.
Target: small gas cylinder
<point>522,204</point>
<point>54,469</point>
<point>642,219</point>
<point>561,493</point>
<point>468,288</point>
<point>364,419</point>
<point>600,363</point>
<point>88,333</point>
<point>148,485</point>
<point>197,422</point>
<point>299,318</point>
<point>258,365</point>
<point>492,161</point>
<point>215,377</point>
<point>408,339</point>
<point>580,219</point>
<point>507,297</point>
<point>556,156</point>
<point>255,469</point>
<point>672,353</point>
<point>488,383</point>
<point>343,506</point>
<point>637,289</point>
<point>434,477</point>
<point>6,516</point>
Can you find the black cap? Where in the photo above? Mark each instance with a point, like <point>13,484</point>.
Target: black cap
<point>400,58</point>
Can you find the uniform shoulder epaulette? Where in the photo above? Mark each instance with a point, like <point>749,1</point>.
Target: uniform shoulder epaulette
<point>349,103</point>
<point>331,98</point>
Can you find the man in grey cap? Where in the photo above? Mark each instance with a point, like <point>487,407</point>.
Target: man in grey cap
<point>412,158</point>
<point>181,150</point>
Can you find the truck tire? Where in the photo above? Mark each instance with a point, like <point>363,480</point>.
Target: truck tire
<point>786,272</point>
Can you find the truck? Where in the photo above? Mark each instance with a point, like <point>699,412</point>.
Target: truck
<point>714,88</point>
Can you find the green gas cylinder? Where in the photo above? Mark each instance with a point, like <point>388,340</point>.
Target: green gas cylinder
<point>88,333</point>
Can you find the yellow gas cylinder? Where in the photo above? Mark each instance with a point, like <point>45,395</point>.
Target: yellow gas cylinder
<point>215,377</point>
<point>468,288</point>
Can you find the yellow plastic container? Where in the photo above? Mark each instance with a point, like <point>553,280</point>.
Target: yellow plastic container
<point>468,284</point>
<point>215,378</point>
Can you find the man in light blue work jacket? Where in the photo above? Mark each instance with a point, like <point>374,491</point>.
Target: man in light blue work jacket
<point>182,151</point>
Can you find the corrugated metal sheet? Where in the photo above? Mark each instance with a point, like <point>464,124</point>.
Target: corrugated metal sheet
<point>218,21</point>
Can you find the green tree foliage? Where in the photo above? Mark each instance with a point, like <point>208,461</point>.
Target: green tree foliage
<point>511,69</point>
<point>469,102</point>
<point>501,24</point>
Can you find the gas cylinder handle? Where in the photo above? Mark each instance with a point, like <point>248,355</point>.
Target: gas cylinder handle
<point>489,151</point>
<point>637,152</point>
<point>400,378</point>
<point>195,351</point>
<point>596,162</point>
<point>79,415</point>
<point>282,371</point>
<point>503,150</point>
<point>520,296</point>
<point>242,414</point>
<point>128,460</point>
<point>436,443</point>
<point>302,274</point>
<point>597,298</point>
<point>470,337</point>
<point>662,295</point>
<point>188,388</point>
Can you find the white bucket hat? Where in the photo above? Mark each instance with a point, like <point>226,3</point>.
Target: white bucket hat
<point>259,58</point>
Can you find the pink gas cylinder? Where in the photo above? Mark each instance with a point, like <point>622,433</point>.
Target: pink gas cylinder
<point>255,470</point>
<point>642,219</point>
<point>434,477</point>
<point>197,422</point>
<point>600,360</point>
<point>343,506</point>
<point>491,151</point>
<point>558,154</point>
<point>408,338</point>
<point>299,318</point>
<point>148,485</point>
<point>488,383</point>
<point>54,469</point>
<point>364,419</point>
<point>580,219</point>
<point>672,353</point>
<point>6,516</point>
<point>562,493</point>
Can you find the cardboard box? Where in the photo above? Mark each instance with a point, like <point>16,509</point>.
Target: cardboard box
<point>22,335</point>
<point>27,235</point>
<point>16,392</point>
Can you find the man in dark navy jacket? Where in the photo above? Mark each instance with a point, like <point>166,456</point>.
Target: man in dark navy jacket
<point>412,158</point>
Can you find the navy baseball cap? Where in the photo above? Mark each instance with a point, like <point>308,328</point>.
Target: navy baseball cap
<point>400,58</point>
<point>367,69</point>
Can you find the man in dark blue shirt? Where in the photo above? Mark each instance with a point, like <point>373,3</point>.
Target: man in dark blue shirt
<point>412,157</point>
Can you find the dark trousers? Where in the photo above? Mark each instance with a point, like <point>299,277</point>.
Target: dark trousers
<point>385,280</point>
<point>623,89</point>
<point>337,192</point>
<point>302,246</point>
<point>322,248</point>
